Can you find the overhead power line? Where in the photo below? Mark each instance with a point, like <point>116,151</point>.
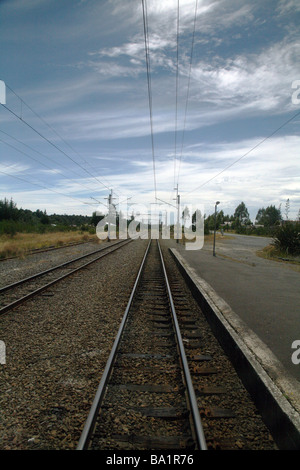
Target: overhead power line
<point>188,89</point>
<point>247,153</point>
<point>41,186</point>
<point>52,129</point>
<point>39,162</point>
<point>148,68</point>
<point>176,91</point>
<point>51,143</point>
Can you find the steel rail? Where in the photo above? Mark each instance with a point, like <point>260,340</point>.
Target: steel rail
<point>93,414</point>
<point>46,286</point>
<point>36,251</point>
<point>59,266</point>
<point>200,438</point>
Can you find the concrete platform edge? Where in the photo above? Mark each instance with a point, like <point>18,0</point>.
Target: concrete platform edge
<point>275,393</point>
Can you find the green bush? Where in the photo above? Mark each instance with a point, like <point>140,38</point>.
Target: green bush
<point>8,227</point>
<point>252,230</point>
<point>287,238</point>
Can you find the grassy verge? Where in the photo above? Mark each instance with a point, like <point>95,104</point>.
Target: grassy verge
<point>271,252</point>
<point>21,243</point>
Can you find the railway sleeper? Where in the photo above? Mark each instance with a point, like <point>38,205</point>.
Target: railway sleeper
<point>216,413</point>
<point>156,442</point>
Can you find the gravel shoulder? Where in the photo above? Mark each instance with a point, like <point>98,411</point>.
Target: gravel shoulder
<point>57,345</point>
<point>15,269</point>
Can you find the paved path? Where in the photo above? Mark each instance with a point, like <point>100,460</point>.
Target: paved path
<point>265,294</point>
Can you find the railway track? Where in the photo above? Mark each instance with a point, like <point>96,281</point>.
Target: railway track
<point>167,385</point>
<point>18,292</point>
<point>146,398</point>
<point>35,251</point>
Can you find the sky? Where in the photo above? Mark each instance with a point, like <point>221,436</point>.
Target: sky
<point>217,113</point>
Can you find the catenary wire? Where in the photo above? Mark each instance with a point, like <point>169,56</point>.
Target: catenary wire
<point>39,162</point>
<point>188,89</point>
<point>54,131</point>
<point>41,186</point>
<point>245,154</point>
<point>53,145</point>
<point>176,91</point>
<point>148,69</point>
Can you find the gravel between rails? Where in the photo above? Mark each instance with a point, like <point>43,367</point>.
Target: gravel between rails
<point>12,270</point>
<point>57,345</point>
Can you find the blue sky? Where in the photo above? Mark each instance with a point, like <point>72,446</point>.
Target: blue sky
<point>77,120</point>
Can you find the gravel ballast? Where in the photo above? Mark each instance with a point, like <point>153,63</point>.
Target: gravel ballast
<point>57,345</point>
<point>15,269</point>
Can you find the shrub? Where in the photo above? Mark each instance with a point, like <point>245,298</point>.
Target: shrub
<point>287,238</point>
<point>8,227</point>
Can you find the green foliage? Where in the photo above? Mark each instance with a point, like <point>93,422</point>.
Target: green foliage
<point>13,220</point>
<point>241,214</point>
<point>8,210</point>
<point>269,216</point>
<point>252,230</point>
<point>206,228</point>
<point>287,238</point>
<point>96,217</point>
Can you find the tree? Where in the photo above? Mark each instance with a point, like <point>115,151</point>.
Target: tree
<point>96,217</point>
<point>220,218</point>
<point>241,214</point>
<point>196,215</point>
<point>287,208</point>
<point>8,210</point>
<point>185,214</point>
<point>269,216</point>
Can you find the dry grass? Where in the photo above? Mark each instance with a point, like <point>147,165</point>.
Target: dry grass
<point>22,243</point>
<point>270,252</point>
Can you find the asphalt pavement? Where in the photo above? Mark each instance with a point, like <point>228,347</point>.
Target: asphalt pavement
<point>265,294</point>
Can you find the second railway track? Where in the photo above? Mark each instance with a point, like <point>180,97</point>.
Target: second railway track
<point>18,292</point>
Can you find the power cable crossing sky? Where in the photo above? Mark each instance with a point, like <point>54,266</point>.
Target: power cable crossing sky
<point>185,92</point>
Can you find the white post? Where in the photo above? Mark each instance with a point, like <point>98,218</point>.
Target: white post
<point>2,92</point>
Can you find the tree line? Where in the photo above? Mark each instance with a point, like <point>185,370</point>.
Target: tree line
<point>266,220</point>
<point>269,221</point>
<point>13,220</point>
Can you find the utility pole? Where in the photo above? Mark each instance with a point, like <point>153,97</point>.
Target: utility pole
<point>178,209</point>
<point>2,92</point>
<point>110,198</point>
<point>214,249</point>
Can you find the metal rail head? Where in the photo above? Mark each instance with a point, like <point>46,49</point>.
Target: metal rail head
<point>200,437</point>
<point>59,266</point>
<point>92,417</point>
<point>21,300</point>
